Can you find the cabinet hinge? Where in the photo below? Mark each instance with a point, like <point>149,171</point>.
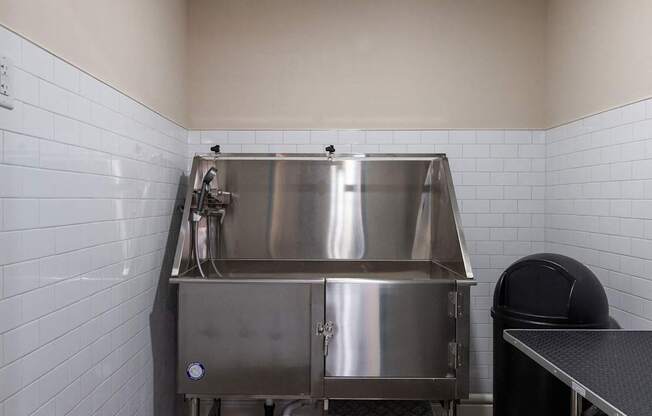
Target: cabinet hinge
<point>455,304</point>
<point>455,355</point>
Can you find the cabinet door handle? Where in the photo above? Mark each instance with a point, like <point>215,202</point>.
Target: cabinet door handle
<point>325,329</point>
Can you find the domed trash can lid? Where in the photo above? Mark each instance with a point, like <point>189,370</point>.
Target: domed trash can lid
<point>551,288</point>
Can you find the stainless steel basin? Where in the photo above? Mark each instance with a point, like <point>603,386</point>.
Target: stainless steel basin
<point>321,269</point>
<point>303,276</point>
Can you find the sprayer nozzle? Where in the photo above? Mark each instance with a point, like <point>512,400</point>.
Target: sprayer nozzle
<point>210,175</point>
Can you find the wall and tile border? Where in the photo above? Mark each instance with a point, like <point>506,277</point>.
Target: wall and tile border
<point>89,179</point>
<point>599,203</point>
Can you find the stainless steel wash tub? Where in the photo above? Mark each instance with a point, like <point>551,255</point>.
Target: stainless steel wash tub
<point>307,276</point>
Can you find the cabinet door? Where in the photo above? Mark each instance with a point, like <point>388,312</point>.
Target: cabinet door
<point>389,328</point>
<point>251,338</point>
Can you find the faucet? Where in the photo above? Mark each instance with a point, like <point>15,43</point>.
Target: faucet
<point>222,199</point>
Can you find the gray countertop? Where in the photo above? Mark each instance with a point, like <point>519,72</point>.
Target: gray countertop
<point>610,368</point>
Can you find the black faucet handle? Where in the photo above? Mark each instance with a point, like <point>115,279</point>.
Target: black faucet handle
<point>330,149</point>
<point>216,148</point>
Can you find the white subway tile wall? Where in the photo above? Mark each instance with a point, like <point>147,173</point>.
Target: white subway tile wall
<point>499,181</point>
<point>88,182</point>
<point>599,204</point>
<point>89,179</point>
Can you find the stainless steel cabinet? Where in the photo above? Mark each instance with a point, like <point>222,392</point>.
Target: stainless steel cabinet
<point>330,337</point>
<point>375,334</point>
<point>251,337</point>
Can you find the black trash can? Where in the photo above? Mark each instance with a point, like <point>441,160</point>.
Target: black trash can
<point>541,291</point>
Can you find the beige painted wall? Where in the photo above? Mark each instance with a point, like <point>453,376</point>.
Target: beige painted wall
<point>355,64</point>
<point>366,63</point>
<point>136,46</point>
<point>598,56</point>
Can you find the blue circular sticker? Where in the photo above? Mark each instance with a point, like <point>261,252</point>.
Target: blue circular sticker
<point>195,371</point>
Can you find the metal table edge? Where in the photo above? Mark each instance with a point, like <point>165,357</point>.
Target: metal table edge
<point>575,385</point>
<point>178,280</point>
<point>464,282</point>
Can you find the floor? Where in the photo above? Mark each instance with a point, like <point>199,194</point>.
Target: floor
<point>349,408</point>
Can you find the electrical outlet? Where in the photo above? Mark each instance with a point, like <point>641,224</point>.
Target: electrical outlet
<point>6,86</point>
